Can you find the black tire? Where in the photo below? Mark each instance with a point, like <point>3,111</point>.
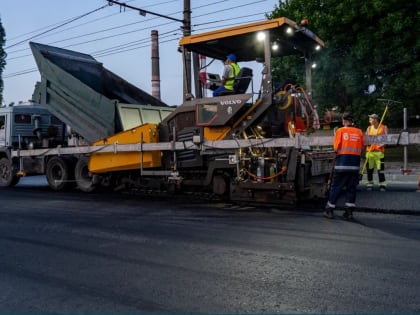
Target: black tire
<point>59,173</point>
<point>221,186</point>
<point>84,178</point>
<point>8,177</point>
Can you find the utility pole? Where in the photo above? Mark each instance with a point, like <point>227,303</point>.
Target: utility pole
<point>185,53</point>
<point>186,26</point>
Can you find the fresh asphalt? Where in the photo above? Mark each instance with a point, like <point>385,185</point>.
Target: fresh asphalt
<point>402,195</point>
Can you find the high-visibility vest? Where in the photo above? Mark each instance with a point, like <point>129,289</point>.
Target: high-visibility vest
<point>231,80</point>
<point>348,140</point>
<point>372,131</point>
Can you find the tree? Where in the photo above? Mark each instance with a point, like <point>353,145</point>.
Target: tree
<point>2,59</point>
<point>371,53</point>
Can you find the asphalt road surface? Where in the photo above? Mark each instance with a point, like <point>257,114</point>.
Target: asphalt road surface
<point>102,253</point>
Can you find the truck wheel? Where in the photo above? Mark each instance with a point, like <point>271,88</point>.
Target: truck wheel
<point>58,173</point>
<point>84,179</point>
<point>221,186</point>
<point>7,176</point>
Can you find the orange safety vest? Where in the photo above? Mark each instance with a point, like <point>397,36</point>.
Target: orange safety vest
<point>372,131</point>
<point>348,140</point>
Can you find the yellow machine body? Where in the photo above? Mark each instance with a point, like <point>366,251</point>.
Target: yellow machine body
<point>215,133</point>
<point>121,161</point>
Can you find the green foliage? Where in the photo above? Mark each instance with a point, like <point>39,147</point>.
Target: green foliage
<point>367,43</point>
<point>2,59</point>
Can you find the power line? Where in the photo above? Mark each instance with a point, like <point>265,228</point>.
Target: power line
<point>37,30</point>
<point>122,26</point>
<point>144,43</point>
<point>136,30</point>
<point>56,27</point>
<point>134,44</point>
<point>144,12</point>
<point>226,24</point>
<point>143,40</point>
<point>238,6</point>
<point>101,31</point>
<point>66,20</point>
<point>133,48</point>
<point>18,73</point>
<point>66,29</point>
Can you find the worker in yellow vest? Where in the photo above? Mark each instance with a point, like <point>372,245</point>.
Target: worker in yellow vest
<point>375,153</point>
<point>230,71</point>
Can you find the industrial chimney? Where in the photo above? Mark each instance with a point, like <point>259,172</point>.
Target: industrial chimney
<point>155,65</point>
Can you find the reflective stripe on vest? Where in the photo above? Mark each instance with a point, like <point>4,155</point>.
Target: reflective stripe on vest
<point>350,150</point>
<point>231,80</point>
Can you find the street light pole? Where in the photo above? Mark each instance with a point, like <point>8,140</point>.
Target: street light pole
<point>308,74</point>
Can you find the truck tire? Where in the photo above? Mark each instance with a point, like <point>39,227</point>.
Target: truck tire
<point>84,179</point>
<point>58,173</point>
<point>7,176</point>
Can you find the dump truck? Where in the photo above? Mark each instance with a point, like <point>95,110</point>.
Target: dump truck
<point>90,128</point>
<point>82,102</point>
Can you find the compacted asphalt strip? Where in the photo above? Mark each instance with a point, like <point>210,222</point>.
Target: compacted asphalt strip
<point>402,195</point>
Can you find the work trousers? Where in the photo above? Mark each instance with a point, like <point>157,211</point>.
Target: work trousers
<point>375,159</point>
<point>347,179</point>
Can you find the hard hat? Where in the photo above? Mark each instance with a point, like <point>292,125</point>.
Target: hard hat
<point>231,57</point>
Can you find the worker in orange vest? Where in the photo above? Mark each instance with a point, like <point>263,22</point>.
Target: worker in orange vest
<point>375,153</point>
<point>348,145</point>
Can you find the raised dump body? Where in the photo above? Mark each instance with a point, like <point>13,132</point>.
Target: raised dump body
<point>94,101</point>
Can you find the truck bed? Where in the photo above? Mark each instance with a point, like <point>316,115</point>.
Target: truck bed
<point>82,93</point>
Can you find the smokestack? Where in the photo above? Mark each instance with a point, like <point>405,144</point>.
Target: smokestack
<point>155,65</point>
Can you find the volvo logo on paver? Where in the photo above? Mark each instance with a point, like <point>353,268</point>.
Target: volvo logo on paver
<point>230,102</point>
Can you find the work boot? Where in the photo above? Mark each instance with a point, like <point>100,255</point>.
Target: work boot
<point>382,188</point>
<point>348,213</point>
<point>348,210</point>
<point>329,211</point>
<point>329,214</point>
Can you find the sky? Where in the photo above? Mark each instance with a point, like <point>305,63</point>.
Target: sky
<point>118,38</point>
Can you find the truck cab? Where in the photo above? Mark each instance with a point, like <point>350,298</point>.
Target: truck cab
<point>28,125</point>
<point>3,122</point>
